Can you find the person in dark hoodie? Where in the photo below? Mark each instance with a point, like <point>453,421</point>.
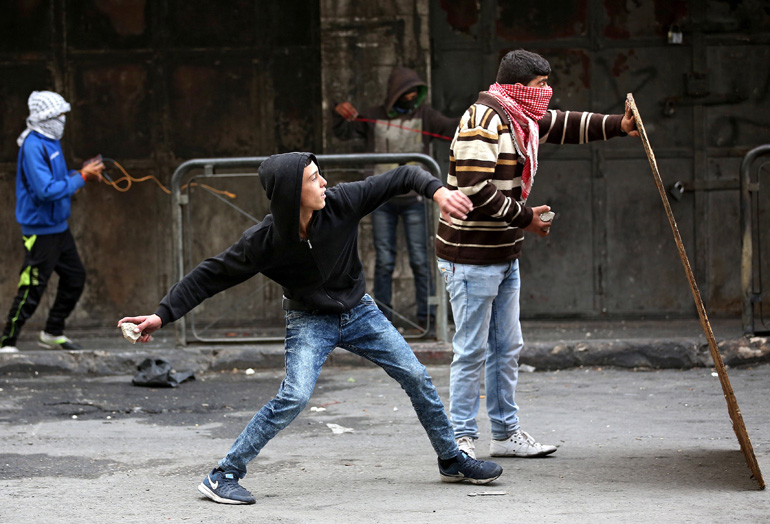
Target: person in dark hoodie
<point>403,124</point>
<point>309,245</point>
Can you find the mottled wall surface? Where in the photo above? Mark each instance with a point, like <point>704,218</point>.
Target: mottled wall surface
<point>153,84</point>
<point>705,102</point>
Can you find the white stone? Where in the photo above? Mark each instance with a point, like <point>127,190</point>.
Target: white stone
<point>128,332</point>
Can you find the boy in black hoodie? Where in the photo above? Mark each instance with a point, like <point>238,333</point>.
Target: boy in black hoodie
<point>309,245</point>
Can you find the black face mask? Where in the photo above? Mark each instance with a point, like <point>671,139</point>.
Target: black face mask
<point>404,106</point>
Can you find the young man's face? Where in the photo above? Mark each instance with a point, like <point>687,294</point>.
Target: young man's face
<point>539,81</point>
<point>313,188</point>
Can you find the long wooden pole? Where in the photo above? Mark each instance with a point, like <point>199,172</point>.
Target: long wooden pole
<point>732,404</point>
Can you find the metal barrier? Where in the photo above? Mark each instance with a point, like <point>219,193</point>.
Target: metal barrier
<point>209,167</point>
<point>750,297</point>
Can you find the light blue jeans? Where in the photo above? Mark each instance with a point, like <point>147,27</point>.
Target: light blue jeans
<point>310,338</point>
<point>485,305</point>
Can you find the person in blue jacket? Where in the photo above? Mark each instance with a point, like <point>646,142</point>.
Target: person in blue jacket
<point>309,245</point>
<point>44,187</point>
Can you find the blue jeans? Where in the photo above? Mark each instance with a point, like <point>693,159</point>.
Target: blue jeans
<point>485,305</point>
<point>309,339</point>
<point>384,228</point>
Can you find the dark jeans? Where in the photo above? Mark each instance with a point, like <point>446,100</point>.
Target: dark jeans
<point>43,255</point>
<point>384,227</point>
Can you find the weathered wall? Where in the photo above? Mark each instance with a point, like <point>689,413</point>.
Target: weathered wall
<point>153,84</point>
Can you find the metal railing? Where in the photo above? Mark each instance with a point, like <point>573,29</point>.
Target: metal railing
<point>750,297</point>
<point>209,167</point>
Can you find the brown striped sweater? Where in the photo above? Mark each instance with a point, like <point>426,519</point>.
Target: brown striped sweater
<point>484,164</point>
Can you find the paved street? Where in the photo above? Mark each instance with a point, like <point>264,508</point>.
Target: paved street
<point>634,446</point>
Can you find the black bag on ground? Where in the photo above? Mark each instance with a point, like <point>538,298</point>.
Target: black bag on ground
<point>157,373</point>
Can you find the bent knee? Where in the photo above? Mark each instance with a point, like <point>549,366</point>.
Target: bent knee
<point>414,375</point>
<point>296,400</point>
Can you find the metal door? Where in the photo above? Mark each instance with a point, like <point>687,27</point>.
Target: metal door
<point>611,252</point>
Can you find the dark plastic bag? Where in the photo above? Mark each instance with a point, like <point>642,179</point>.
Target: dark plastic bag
<point>157,373</point>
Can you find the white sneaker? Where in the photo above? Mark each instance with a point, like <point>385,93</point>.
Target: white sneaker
<point>466,444</point>
<point>49,341</point>
<point>9,349</point>
<point>520,444</point>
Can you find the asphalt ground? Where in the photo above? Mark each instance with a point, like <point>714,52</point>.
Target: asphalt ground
<point>634,446</point>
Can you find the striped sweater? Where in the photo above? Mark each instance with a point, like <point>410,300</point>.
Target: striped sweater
<point>484,164</point>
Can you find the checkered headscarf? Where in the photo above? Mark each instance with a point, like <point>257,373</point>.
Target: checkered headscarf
<point>525,106</point>
<point>45,108</point>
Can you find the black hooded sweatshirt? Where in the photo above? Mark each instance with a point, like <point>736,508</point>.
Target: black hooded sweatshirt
<point>323,273</point>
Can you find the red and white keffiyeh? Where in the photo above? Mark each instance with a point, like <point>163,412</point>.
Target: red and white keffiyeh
<point>525,106</point>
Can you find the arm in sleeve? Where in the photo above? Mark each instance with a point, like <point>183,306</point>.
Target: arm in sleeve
<point>576,127</point>
<point>40,178</point>
<point>437,123</point>
<point>215,274</point>
<point>370,193</point>
<point>482,167</point>
<point>346,130</point>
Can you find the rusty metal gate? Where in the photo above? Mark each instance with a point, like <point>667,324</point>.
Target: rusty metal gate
<point>251,313</point>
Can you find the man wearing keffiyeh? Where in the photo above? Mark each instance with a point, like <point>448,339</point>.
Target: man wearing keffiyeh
<point>44,187</point>
<point>493,160</point>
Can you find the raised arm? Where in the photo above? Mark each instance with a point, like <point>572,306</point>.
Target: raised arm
<point>370,193</point>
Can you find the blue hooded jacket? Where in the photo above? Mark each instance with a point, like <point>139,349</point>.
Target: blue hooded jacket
<point>44,186</point>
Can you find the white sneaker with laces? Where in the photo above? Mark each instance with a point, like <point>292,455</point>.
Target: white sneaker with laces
<point>466,444</point>
<point>9,349</point>
<point>520,444</point>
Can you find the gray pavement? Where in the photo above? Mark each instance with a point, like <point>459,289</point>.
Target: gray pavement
<point>550,345</point>
<point>634,446</point>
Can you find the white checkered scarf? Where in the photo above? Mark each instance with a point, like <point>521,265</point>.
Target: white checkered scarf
<point>44,110</point>
<point>525,106</point>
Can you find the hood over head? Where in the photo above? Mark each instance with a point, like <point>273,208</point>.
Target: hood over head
<point>46,115</point>
<point>401,80</point>
<point>281,176</point>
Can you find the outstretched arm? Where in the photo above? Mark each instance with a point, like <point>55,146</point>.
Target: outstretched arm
<point>579,127</point>
<point>215,274</point>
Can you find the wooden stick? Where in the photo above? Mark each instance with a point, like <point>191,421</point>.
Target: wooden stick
<point>732,404</point>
